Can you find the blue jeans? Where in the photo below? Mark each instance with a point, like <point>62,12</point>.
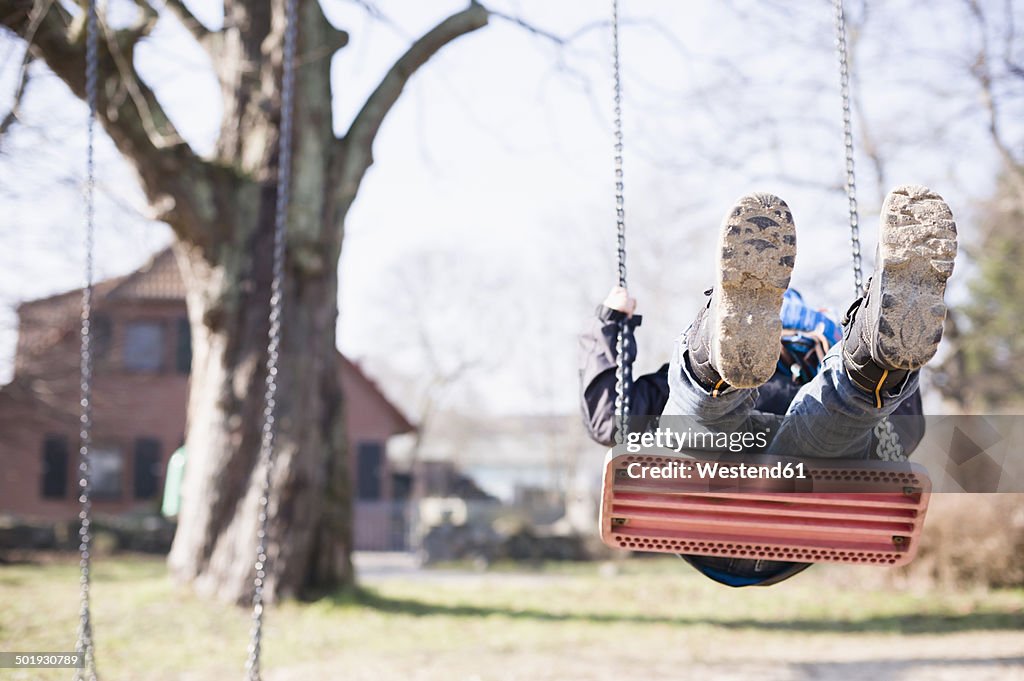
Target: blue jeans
<point>829,417</point>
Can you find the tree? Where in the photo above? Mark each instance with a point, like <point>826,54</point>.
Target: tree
<point>986,369</point>
<point>221,212</point>
<point>983,372</point>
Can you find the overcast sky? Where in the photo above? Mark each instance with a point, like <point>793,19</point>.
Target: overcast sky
<point>499,158</point>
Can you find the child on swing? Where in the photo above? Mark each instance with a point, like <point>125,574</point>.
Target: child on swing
<point>832,387</point>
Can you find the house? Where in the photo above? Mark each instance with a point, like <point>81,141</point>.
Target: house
<point>142,355</point>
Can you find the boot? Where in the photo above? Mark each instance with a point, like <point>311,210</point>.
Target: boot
<point>895,328</point>
<point>734,342</point>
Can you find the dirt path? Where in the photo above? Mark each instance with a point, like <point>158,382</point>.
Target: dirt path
<point>955,657</point>
<point>700,651</point>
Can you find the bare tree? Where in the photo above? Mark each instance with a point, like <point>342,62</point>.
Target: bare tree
<point>221,212</point>
<point>997,59</point>
<point>436,330</point>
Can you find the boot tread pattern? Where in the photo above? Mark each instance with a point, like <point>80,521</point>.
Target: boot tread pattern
<point>917,246</point>
<point>757,251</point>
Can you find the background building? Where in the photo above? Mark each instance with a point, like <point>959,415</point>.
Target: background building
<point>142,355</point>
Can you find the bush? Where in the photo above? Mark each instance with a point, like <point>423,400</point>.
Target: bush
<point>972,540</point>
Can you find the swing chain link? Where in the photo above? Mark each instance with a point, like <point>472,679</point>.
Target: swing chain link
<point>266,453</point>
<point>851,180</point>
<point>623,369</point>
<point>889,447</point>
<point>84,644</point>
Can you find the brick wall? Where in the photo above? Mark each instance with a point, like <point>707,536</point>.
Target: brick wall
<point>139,413</point>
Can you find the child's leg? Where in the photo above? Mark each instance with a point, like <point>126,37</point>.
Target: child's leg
<point>889,334</point>
<point>831,417</point>
<point>731,410</point>
<point>733,345</point>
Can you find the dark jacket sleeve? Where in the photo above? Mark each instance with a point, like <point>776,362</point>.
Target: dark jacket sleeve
<point>597,354</point>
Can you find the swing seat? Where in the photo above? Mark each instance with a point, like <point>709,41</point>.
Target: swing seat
<point>839,511</point>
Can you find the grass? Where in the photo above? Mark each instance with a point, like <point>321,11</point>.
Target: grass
<point>491,625</point>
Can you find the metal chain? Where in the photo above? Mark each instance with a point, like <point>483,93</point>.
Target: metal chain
<point>266,455</point>
<point>851,181</point>
<point>889,447</point>
<point>84,644</point>
<point>623,369</point>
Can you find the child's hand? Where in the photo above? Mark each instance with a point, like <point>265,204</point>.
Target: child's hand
<point>618,299</point>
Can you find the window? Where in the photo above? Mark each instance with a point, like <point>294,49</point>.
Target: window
<point>107,466</point>
<point>147,467</point>
<point>101,332</point>
<point>55,467</point>
<point>369,461</point>
<point>183,350</point>
<point>143,346</point>
<point>401,486</point>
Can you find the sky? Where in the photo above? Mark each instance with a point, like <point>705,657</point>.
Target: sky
<point>489,211</point>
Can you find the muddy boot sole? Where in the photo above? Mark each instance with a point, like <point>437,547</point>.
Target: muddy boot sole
<point>916,250</point>
<point>757,250</point>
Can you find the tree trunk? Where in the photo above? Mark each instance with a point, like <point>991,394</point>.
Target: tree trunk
<point>222,213</point>
<point>309,535</point>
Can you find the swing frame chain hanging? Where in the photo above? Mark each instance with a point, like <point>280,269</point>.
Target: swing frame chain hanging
<point>265,462</point>
<point>851,179</point>
<point>84,643</point>
<point>623,370</point>
<point>889,447</point>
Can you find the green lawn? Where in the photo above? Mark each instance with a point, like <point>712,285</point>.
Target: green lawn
<point>564,622</point>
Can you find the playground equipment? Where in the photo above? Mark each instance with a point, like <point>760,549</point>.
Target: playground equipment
<point>843,511</point>
<point>836,511</point>
<point>84,644</point>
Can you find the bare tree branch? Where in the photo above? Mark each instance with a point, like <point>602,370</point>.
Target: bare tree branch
<point>11,117</point>
<point>522,23</point>
<point>356,148</point>
<point>982,73</point>
<point>188,20</point>
<point>23,72</point>
<point>377,14</point>
<point>128,109</point>
<point>354,154</point>
<point>1010,35</point>
<point>159,138</point>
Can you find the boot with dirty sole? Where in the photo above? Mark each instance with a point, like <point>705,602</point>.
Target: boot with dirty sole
<point>756,253</point>
<point>899,323</point>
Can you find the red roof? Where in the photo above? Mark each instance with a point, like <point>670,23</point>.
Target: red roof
<point>402,424</point>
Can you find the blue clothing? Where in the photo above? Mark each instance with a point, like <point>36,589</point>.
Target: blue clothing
<point>795,314</point>
<point>807,334</point>
<point>728,578</point>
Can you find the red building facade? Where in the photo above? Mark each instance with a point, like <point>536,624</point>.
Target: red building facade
<point>142,350</point>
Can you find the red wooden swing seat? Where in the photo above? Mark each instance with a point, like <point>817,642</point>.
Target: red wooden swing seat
<point>842,511</point>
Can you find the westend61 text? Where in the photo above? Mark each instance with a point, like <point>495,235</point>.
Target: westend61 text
<point>713,470</point>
